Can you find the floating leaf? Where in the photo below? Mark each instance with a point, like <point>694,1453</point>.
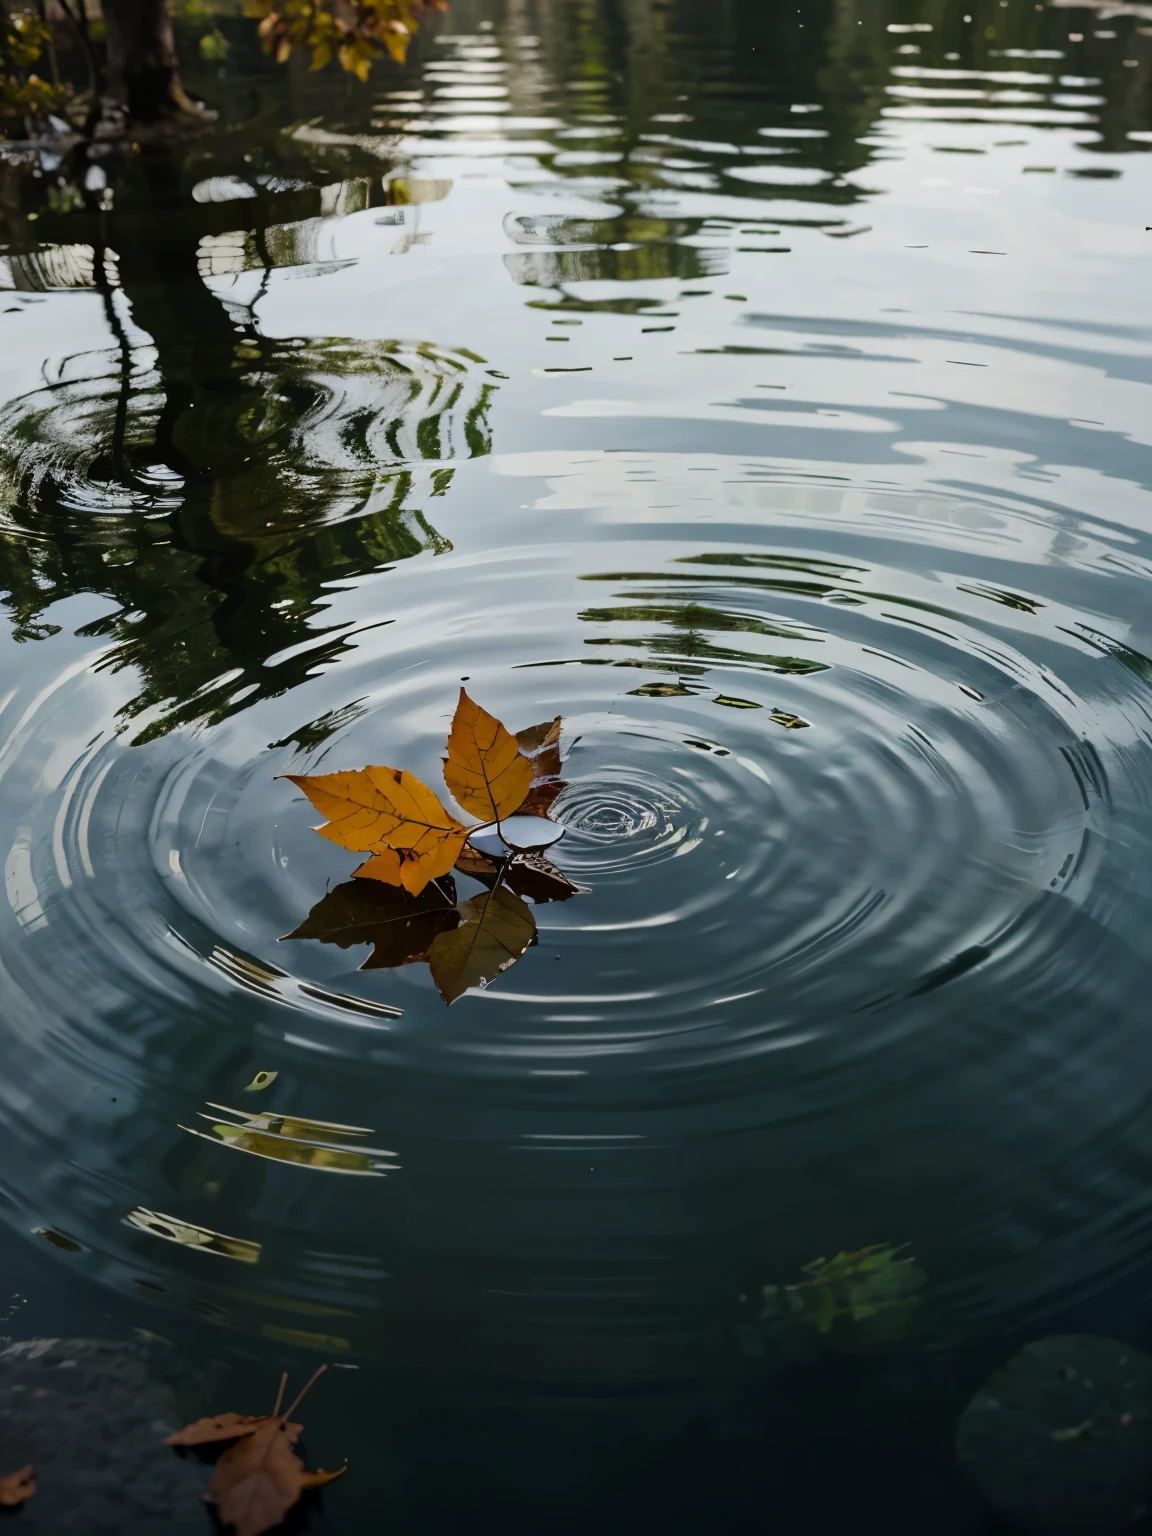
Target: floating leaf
<point>225,1426</point>
<point>541,745</point>
<point>259,1479</point>
<point>532,875</point>
<point>496,930</point>
<point>261,1080</point>
<point>17,1487</point>
<point>528,874</point>
<point>485,769</point>
<point>535,739</point>
<point>374,808</point>
<point>733,702</point>
<point>387,866</point>
<point>173,1230</point>
<point>789,722</point>
<point>478,865</point>
<point>400,926</point>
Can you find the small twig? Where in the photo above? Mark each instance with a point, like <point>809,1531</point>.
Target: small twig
<point>315,1377</point>
<point>280,1395</point>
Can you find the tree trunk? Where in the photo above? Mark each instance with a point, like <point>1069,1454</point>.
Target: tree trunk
<point>143,74</point>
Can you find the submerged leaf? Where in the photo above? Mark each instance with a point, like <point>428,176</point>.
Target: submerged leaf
<point>496,930</point>
<point>261,1080</point>
<point>371,809</point>
<point>400,926</point>
<point>485,769</point>
<point>863,1299</point>
<point>17,1487</point>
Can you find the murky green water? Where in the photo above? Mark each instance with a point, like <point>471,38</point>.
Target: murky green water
<point>678,369</point>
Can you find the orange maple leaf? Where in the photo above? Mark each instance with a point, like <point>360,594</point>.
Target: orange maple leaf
<point>374,809</point>
<point>485,768</point>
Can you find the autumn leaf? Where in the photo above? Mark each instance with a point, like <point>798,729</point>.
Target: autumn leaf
<point>259,1479</point>
<point>373,809</point>
<point>225,1426</point>
<point>496,930</point>
<point>386,866</point>
<point>541,745</point>
<point>478,865</point>
<point>485,769</point>
<point>527,874</point>
<point>535,739</point>
<point>17,1487</point>
<point>400,926</point>
<point>532,875</point>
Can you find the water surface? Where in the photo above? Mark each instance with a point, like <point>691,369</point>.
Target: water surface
<point>761,391</point>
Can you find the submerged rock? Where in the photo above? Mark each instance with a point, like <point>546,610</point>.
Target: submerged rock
<point>90,1415</point>
<point>1061,1437</point>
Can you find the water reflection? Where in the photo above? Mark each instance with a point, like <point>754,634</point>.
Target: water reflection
<point>773,406</point>
<point>212,481</point>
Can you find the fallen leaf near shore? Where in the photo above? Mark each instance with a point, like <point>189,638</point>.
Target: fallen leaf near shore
<point>225,1426</point>
<point>259,1479</point>
<point>17,1488</point>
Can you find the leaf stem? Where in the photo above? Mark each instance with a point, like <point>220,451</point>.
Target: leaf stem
<point>313,1379</point>
<point>280,1395</point>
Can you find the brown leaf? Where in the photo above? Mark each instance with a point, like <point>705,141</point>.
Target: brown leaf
<point>532,875</point>
<point>373,809</point>
<point>17,1487</point>
<point>478,865</point>
<point>496,930</point>
<point>225,1426</point>
<point>401,927</point>
<point>259,1479</point>
<point>485,769</point>
<point>534,738</point>
<point>541,745</point>
<point>542,797</point>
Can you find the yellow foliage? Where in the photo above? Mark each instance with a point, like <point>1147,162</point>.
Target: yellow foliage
<point>374,810</point>
<point>355,32</point>
<point>485,768</point>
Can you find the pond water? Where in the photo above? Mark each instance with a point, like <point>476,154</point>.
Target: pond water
<point>827,535</point>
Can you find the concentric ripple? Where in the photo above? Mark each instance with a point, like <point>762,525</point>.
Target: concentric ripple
<point>848,839</point>
<point>833,554</point>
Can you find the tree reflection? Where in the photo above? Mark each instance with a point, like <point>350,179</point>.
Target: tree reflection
<point>208,479</point>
